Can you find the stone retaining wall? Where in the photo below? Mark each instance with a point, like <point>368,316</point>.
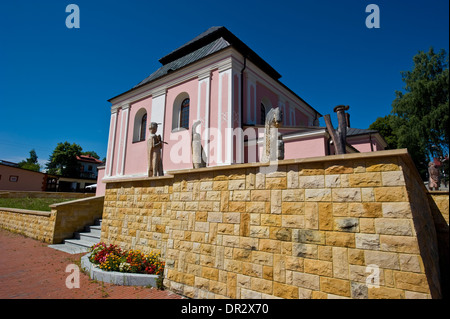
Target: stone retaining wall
<point>314,228</point>
<point>34,224</point>
<point>55,226</point>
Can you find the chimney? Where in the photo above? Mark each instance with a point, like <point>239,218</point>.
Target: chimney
<point>347,119</point>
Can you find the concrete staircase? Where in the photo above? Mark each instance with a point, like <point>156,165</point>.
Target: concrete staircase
<point>81,241</point>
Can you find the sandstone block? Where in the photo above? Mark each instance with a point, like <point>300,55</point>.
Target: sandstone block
<point>210,273</point>
<point>304,250</point>
<point>393,226</point>
<point>270,220</point>
<point>308,281</point>
<point>346,194</point>
<point>318,195</point>
<point>346,224</point>
<point>236,184</point>
<point>318,267</point>
<point>397,210</point>
<point>262,258</point>
<point>410,263</point>
<point>382,259</point>
<point>335,286</point>
<point>331,169</point>
<point>340,239</point>
<point>269,245</point>
<point>356,257</point>
<point>386,293</point>
<point>391,194</point>
<point>365,179</point>
<point>292,195</point>
<point>292,176</point>
<point>340,262</point>
<point>308,236</point>
<point>313,181</point>
<point>332,181</point>
<point>259,231</point>
<point>260,195</point>
<point>276,183</point>
<point>368,241</point>
<point>285,291</point>
<point>220,185</point>
<point>401,244</point>
<point>292,208</point>
<point>275,201</point>
<point>359,290</point>
<point>394,178</point>
<point>240,195</point>
<point>365,209</point>
<point>325,216</point>
<point>255,207</point>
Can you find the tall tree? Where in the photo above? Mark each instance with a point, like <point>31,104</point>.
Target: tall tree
<point>63,160</point>
<point>31,163</point>
<point>421,112</point>
<point>385,126</point>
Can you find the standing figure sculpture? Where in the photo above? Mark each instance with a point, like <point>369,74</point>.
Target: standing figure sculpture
<point>338,136</point>
<point>273,148</point>
<point>434,177</point>
<point>154,146</point>
<point>197,148</point>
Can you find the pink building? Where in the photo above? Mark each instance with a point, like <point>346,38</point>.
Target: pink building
<point>219,80</point>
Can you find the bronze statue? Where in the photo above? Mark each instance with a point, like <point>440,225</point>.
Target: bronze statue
<point>434,177</point>
<point>154,146</point>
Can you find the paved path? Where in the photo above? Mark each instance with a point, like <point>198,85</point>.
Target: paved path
<point>31,270</point>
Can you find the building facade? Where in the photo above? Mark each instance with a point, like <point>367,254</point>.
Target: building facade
<point>218,80</point>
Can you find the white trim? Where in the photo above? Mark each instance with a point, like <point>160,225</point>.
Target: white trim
<point>111,143</point>
<point>120,140</point>
<point>125,137</point>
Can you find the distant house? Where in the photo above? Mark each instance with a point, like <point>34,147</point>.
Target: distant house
<point>88,166</point>
<point>218,80</point>
<point>13,178</point>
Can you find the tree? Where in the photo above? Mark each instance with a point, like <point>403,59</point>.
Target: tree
<point>421,113</point>
<point>384,125</point>
<point>91,153</point>
<point>63,160</point>
<point>31,163</point>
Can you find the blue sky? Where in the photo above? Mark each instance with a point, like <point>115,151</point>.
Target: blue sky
<point>55,81</point>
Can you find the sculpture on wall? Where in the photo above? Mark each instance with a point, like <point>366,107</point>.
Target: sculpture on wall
<point>338,136</point>
<point>273,148</point>
<point>198,155</point>
<point>154,146</point>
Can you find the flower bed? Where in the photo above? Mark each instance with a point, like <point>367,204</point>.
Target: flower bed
<point>123,267</point>
<point>112,258</point>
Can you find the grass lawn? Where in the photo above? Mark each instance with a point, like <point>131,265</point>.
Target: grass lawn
<point>41,204</point>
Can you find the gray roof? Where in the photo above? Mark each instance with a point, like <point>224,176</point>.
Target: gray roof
<point>196,55</point>
<point>351,131</point>
<point>209,42</point>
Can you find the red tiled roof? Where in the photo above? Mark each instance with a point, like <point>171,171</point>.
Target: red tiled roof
<point>89,159</point>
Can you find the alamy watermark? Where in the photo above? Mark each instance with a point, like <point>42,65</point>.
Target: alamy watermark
<point>73,19</point>
<point>373,19</point>
<point>73,279</point>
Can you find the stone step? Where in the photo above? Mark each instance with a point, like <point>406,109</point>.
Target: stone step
<point>81,241</point>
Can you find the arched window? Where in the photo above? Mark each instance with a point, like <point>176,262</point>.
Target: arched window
<point>184,114</point>
<point>140,125</point>
<point>143,128</point>
<point>263,114</point>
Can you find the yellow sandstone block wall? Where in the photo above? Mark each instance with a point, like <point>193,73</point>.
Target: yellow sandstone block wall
<point>33,224</point>
<point>314,228</point>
